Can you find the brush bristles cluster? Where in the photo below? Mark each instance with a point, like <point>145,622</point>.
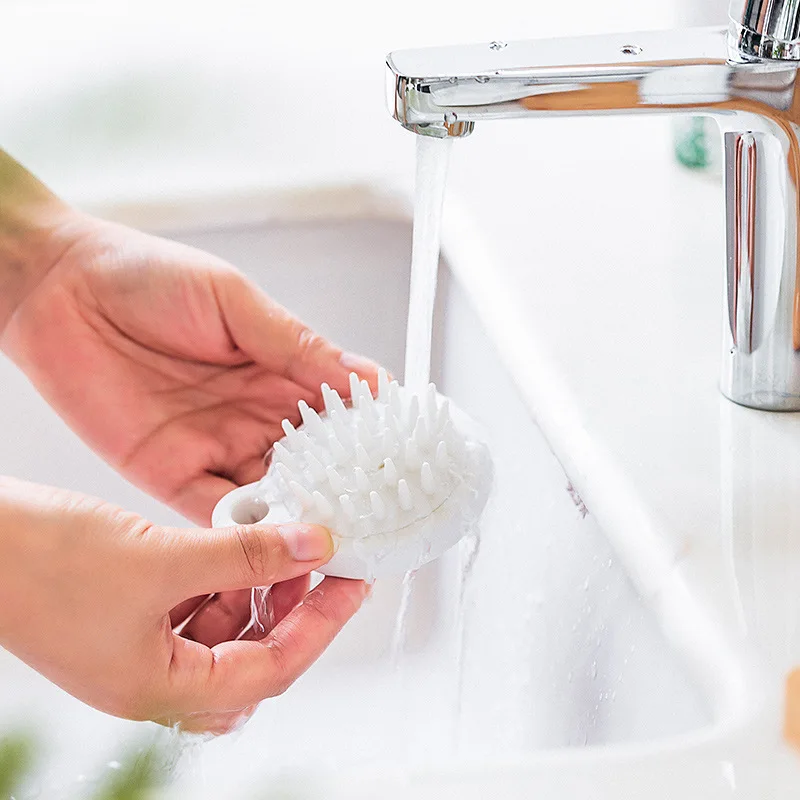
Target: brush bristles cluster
<point>374,466</point>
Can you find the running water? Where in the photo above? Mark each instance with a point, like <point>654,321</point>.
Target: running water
<point>433,157</point>
<point>469,547</point>
<point>401,623</point>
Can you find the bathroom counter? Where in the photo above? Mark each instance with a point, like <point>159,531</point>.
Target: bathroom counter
<point>597,265</point>
<point>600,276</point>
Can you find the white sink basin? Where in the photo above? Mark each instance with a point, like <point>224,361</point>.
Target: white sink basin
<point>551,648</point>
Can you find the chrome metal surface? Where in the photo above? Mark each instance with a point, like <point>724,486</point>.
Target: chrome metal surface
<point>767,28</point>
<point>756,101</point>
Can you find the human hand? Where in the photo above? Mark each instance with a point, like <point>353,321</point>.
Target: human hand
<point>86,590</point>
<point>167,361</point>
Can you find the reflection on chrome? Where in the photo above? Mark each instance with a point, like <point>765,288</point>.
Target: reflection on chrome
<point>745,77</point>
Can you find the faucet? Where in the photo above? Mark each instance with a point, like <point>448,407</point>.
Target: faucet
<point>744,76</point>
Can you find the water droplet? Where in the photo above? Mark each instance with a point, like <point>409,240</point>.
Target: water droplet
<point>482,78</point>
<point>450,118</point>
<point>498,45</point>
<point>630,50</point>
<point>594,670</point>
<point>569,676</point>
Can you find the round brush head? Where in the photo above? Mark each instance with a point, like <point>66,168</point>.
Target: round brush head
<point>397,478</point>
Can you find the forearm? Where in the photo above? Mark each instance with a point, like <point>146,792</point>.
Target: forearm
<point>36,227</point>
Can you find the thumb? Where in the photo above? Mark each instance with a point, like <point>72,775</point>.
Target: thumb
<point>202,561</point>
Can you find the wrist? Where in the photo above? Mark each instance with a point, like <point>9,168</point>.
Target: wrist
<point>36,228</point>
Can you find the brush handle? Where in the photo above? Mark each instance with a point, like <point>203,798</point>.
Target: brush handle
<point>247,506</point>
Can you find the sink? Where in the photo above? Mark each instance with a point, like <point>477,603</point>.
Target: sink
<point>538,643</point>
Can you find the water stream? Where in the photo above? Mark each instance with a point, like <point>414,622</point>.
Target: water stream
<point>433,158</point>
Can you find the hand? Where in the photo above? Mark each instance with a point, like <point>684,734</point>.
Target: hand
<point>85,591</point>
<point>167,361</point>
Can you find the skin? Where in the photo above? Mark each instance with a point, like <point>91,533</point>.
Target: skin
<point>177,370</point>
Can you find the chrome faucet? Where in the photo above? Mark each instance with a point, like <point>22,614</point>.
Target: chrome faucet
<point>745,77</point>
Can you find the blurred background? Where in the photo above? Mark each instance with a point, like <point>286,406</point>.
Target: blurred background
<point>120,100</point>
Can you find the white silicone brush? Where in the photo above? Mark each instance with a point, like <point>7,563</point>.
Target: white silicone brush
<point>397,478</point>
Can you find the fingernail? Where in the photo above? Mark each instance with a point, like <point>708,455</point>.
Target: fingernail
<point>356,363</point>
<point>307,542</point>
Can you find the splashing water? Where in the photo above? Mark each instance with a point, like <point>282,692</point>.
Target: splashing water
<point>433,158</point>
<point>470,546</point>
<point>401,623</point>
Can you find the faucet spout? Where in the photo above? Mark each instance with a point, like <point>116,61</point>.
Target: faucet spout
<point>716,72</point>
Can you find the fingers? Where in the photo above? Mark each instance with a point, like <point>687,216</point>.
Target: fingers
<point>239,674</point>
<point>286,596</point>
<point>221,619</point>
<point>196,499</point>
<point>203,561</point>
<point>185,609</point>
<point>270,335</point>
<point>279,600</point>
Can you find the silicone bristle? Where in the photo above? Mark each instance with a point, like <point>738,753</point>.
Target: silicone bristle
<point>442,458</point>
<point>395,404</point>
<point>421,433</point>
<point>332,400</point>
<point>302,494</point>
<point>322,505</point>
<point>292,436</point>
<point>315,466</point>
<point>366,392</point>
<point>377,505</point>
<point>337,449</point>
<point>404,495</point>
<point>322,454</point>
<point>412,458</point>
<point>375,465</point>
<point>285,472</point>
<point>431,407</point>
<point>362,458</point>
<point>348,507</point>
<point>426,479</point>
<point>335,480</point>
<point>369,419</point>
<point>363,432</point>
<point>280,453</point>
<point>311,420</point>
<point>413,412</point>
<point>362,481</point>
<point>383,385</point>
<point>339,422</point>
<point>355,385</point>
<point>443,415</point>
<point>389,443</point>
<point>389,472</point>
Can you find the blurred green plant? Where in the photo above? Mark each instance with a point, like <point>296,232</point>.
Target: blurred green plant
<point>140,775</point>
<point>16,759</point>
<point>135,778</point>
